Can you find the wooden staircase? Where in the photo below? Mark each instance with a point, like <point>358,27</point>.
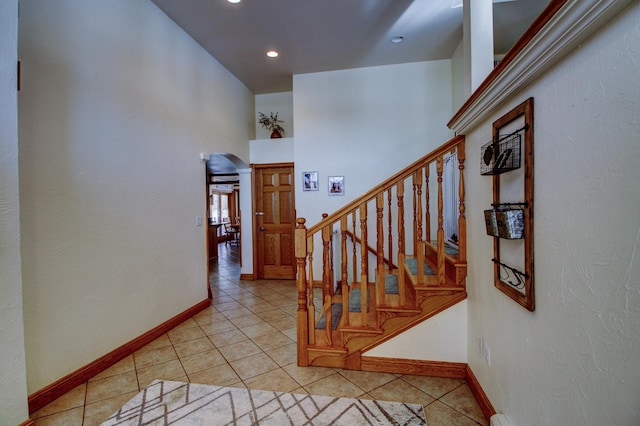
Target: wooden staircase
<point>376,285</point>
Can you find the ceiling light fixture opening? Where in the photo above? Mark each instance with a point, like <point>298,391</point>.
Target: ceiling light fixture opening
<point>234,1</point>
<point>397,39</point>
<point>272,53</point>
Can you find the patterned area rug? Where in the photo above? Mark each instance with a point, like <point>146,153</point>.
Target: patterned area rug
<point>177,403</point>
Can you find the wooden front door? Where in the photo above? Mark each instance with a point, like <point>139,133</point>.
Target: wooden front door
<point>274,221</point>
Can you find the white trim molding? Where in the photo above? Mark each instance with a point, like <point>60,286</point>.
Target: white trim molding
<point>572,24</point>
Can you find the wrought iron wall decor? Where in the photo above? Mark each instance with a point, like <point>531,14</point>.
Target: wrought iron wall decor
<point>512,221</point>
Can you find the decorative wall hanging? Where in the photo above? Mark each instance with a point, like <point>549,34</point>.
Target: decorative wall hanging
<point>511,222</point>
<point>310,181</point>
<point>336,185</point>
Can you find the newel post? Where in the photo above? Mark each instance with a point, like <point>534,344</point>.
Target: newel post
<point>300,238</point>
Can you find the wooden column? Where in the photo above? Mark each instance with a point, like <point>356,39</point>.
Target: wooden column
<point>300,236</point>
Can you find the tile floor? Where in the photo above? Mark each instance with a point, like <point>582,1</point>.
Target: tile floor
<point>247,338</point>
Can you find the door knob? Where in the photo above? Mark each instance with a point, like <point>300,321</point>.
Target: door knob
<point>259,213</point>
<point>261,228</point>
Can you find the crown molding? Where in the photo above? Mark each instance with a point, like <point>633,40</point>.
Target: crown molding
<point>561,27</point>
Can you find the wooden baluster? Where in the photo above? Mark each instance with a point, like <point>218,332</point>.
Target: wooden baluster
<point>417,241</point>
<point>355,255</point>
<point>312,303</point>
<point>419,207</point>
<point>345,275</point>
<point>440,265</point>
<point>462,220</point>
<point>300,236</point>
<point>401,246</point>
<point>364,268</point>
<point>414,187</point>
<point>427,219</point>
<point>327,291</point>
<point>380,275</point>
<point>390,227</point>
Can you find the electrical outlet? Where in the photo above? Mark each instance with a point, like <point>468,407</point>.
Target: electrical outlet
<point>198,220</point>
<point>481,346</point>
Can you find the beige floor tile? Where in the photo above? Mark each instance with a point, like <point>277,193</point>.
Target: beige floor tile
<point>246,320</point>
<point>218,327</point>
<point>291,333</point>
<point>284,323</point>
<point>439,414</point>
<point>271,341</point>
<point>122,366</point>
<point>160,342</point>
<point>273,315</point>
<point>284,355</point>
<point>334,385</point>
<point>169,370</point>
<point>111,386</point>
<point>235,313</point>
<point>189,323</point>
<point>228,338</point>
<point>307,375</point>
<point>401,391</point>
<point>367,380</point>
<point>65,418</point>
<point>202,361</point>
<point>154,356</point>
<point>72,399</point>
<point>192,347</point>
<point>253,366</point>
<point>220,299</point>
<point>227,306</point>
<point>276,380</point>
<point>261,307</point>
<point>240,350</point>
<point>463,400</point>
<point>254,331</point>
<point>434,386</point>
<point>185,334</point>
<point>209,317</point>
<point>98,412</point>
<point>222,375</point>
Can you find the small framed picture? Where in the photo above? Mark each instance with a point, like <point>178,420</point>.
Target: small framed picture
<point>336,185</point>
<point>310,181</point>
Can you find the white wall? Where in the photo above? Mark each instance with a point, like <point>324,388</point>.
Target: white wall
<point>13,391</point>
<point>576,359</point>
<point>117,103</point>
<point>442,337</point>
<point>460,85</point>
<point>366,124</point>
<point>281,103</point>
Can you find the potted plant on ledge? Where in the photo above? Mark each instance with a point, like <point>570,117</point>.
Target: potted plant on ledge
<point>271,123</point>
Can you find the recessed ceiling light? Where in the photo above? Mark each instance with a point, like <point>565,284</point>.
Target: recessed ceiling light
<point>234,1</point>
<point>397,39</point>
<point>272,53</point>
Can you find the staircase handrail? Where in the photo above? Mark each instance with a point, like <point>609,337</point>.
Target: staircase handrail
<point>385,185</point>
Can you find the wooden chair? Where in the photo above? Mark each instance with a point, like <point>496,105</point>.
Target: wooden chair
<point>233,233</point>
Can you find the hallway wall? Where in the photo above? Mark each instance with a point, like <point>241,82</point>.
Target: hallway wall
<point>116,107</point>
<point>13,388</point>
<point>576,358</point>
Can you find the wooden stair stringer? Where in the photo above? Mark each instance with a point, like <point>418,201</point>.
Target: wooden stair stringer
<point>358,343</point>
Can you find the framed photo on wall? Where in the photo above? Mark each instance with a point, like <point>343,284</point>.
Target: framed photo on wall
<point>310,181</point>
<point>336,185</point>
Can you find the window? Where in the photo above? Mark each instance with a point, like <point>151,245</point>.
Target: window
<point>219,206</point>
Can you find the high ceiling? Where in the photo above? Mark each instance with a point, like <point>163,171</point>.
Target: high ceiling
<point>323,35</point>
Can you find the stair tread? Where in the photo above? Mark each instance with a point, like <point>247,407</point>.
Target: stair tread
<point>336,313</point>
